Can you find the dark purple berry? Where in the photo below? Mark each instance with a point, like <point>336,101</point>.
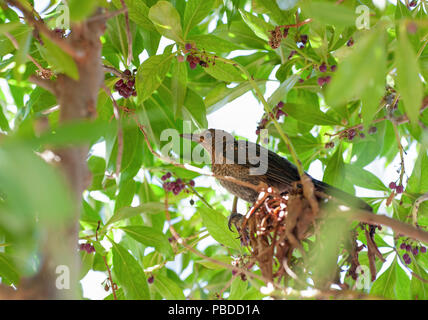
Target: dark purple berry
<point>168,175</point>
<point>192,183</point>
<point>118,84</point>
<point>333,68</point>
<point>408,248</point>
<point>234,272</point>
<point>413,3</point>
<point>392,185</point>
<point>423,249</point>
<point>188,46</point>
<point>399,189</point>
<point>127,73</point>
<point>323,68</point>
<point>402,245</point>
<point>280,104</point>
<point>150,279</point>
<point>304,38</point>
<point>350,42</point>
<point>321,81</point>
<point>415,251</point>
<point>372,130</point>
<point>362,135</point>
<point>193,65</point>
<point>327,79</point>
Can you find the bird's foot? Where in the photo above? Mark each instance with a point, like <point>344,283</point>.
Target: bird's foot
<point>236,219</point>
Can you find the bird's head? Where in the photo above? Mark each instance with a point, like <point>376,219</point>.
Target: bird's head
<point>210,139</point>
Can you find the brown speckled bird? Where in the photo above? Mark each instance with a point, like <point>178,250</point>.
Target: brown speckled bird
<point>250,162</point>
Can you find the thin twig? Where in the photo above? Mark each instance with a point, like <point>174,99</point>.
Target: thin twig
<point>116,113</point>
<point>416,205</point>
<point>41,27</point>
<point>128,33</point>
<point>112,284</point>
<point>296,25</point>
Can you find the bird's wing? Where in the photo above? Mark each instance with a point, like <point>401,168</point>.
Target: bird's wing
<point>278,170</point>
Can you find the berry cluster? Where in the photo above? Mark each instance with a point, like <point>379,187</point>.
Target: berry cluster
<point>323,80</point>
<point>413,250</point>
<point>277,112</point>
<point>193,59</point>
<point>351,134</point>
<point>398,189</point>
<point>323,68</point>
<point>126,88</point>
<point>89,248</point>
<point>175,186</point>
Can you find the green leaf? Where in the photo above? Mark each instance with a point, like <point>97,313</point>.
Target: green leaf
<point>128,212</point>
<point>8,269</point>
<point>408,80</point>
<point>4,124</point>
<point>132,154</point>
<point>402,283</point>
<point>150,237</point>
<point>212,43</point>
<point>308,114</point>
<point>334,171</point>
<point>41,99</point>
<point>194,109</point>
<point>363,178</point>
<point>60,61</point>
<point>138,12</point>
<point>80,10</point>
<point>259,26</point>
<point>329,13</point>
<point>167,288</point>
<point>239,33</point>
<point>212,265</point>
<point>384,285</point>
<point>216,224</point>
<point>238,289</point>
<point>195,12</point>
<point>167,20</point>
<point>281,92</point>
<point>358,72</point>
<point>150,75</point>
<point>225,72</point>
<point>418,181</point>
<point>178,85</point>
<point>222,95</point>
<point>129,274</point>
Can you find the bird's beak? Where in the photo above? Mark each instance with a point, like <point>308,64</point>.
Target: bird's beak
<point>189,136</point>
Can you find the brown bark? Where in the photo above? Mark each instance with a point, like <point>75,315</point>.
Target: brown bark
<point>77,100</point>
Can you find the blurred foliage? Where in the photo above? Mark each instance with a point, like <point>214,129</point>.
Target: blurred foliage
<point>344,81</point>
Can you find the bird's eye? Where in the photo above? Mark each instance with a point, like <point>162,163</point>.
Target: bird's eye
<point>201,139</point>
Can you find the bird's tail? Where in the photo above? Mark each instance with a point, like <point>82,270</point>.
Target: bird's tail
<point>347,198</point>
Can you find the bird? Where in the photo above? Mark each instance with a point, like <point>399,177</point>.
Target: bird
<point>252,163</point>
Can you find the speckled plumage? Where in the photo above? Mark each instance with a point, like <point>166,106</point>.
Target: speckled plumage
<point>280,172</point>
